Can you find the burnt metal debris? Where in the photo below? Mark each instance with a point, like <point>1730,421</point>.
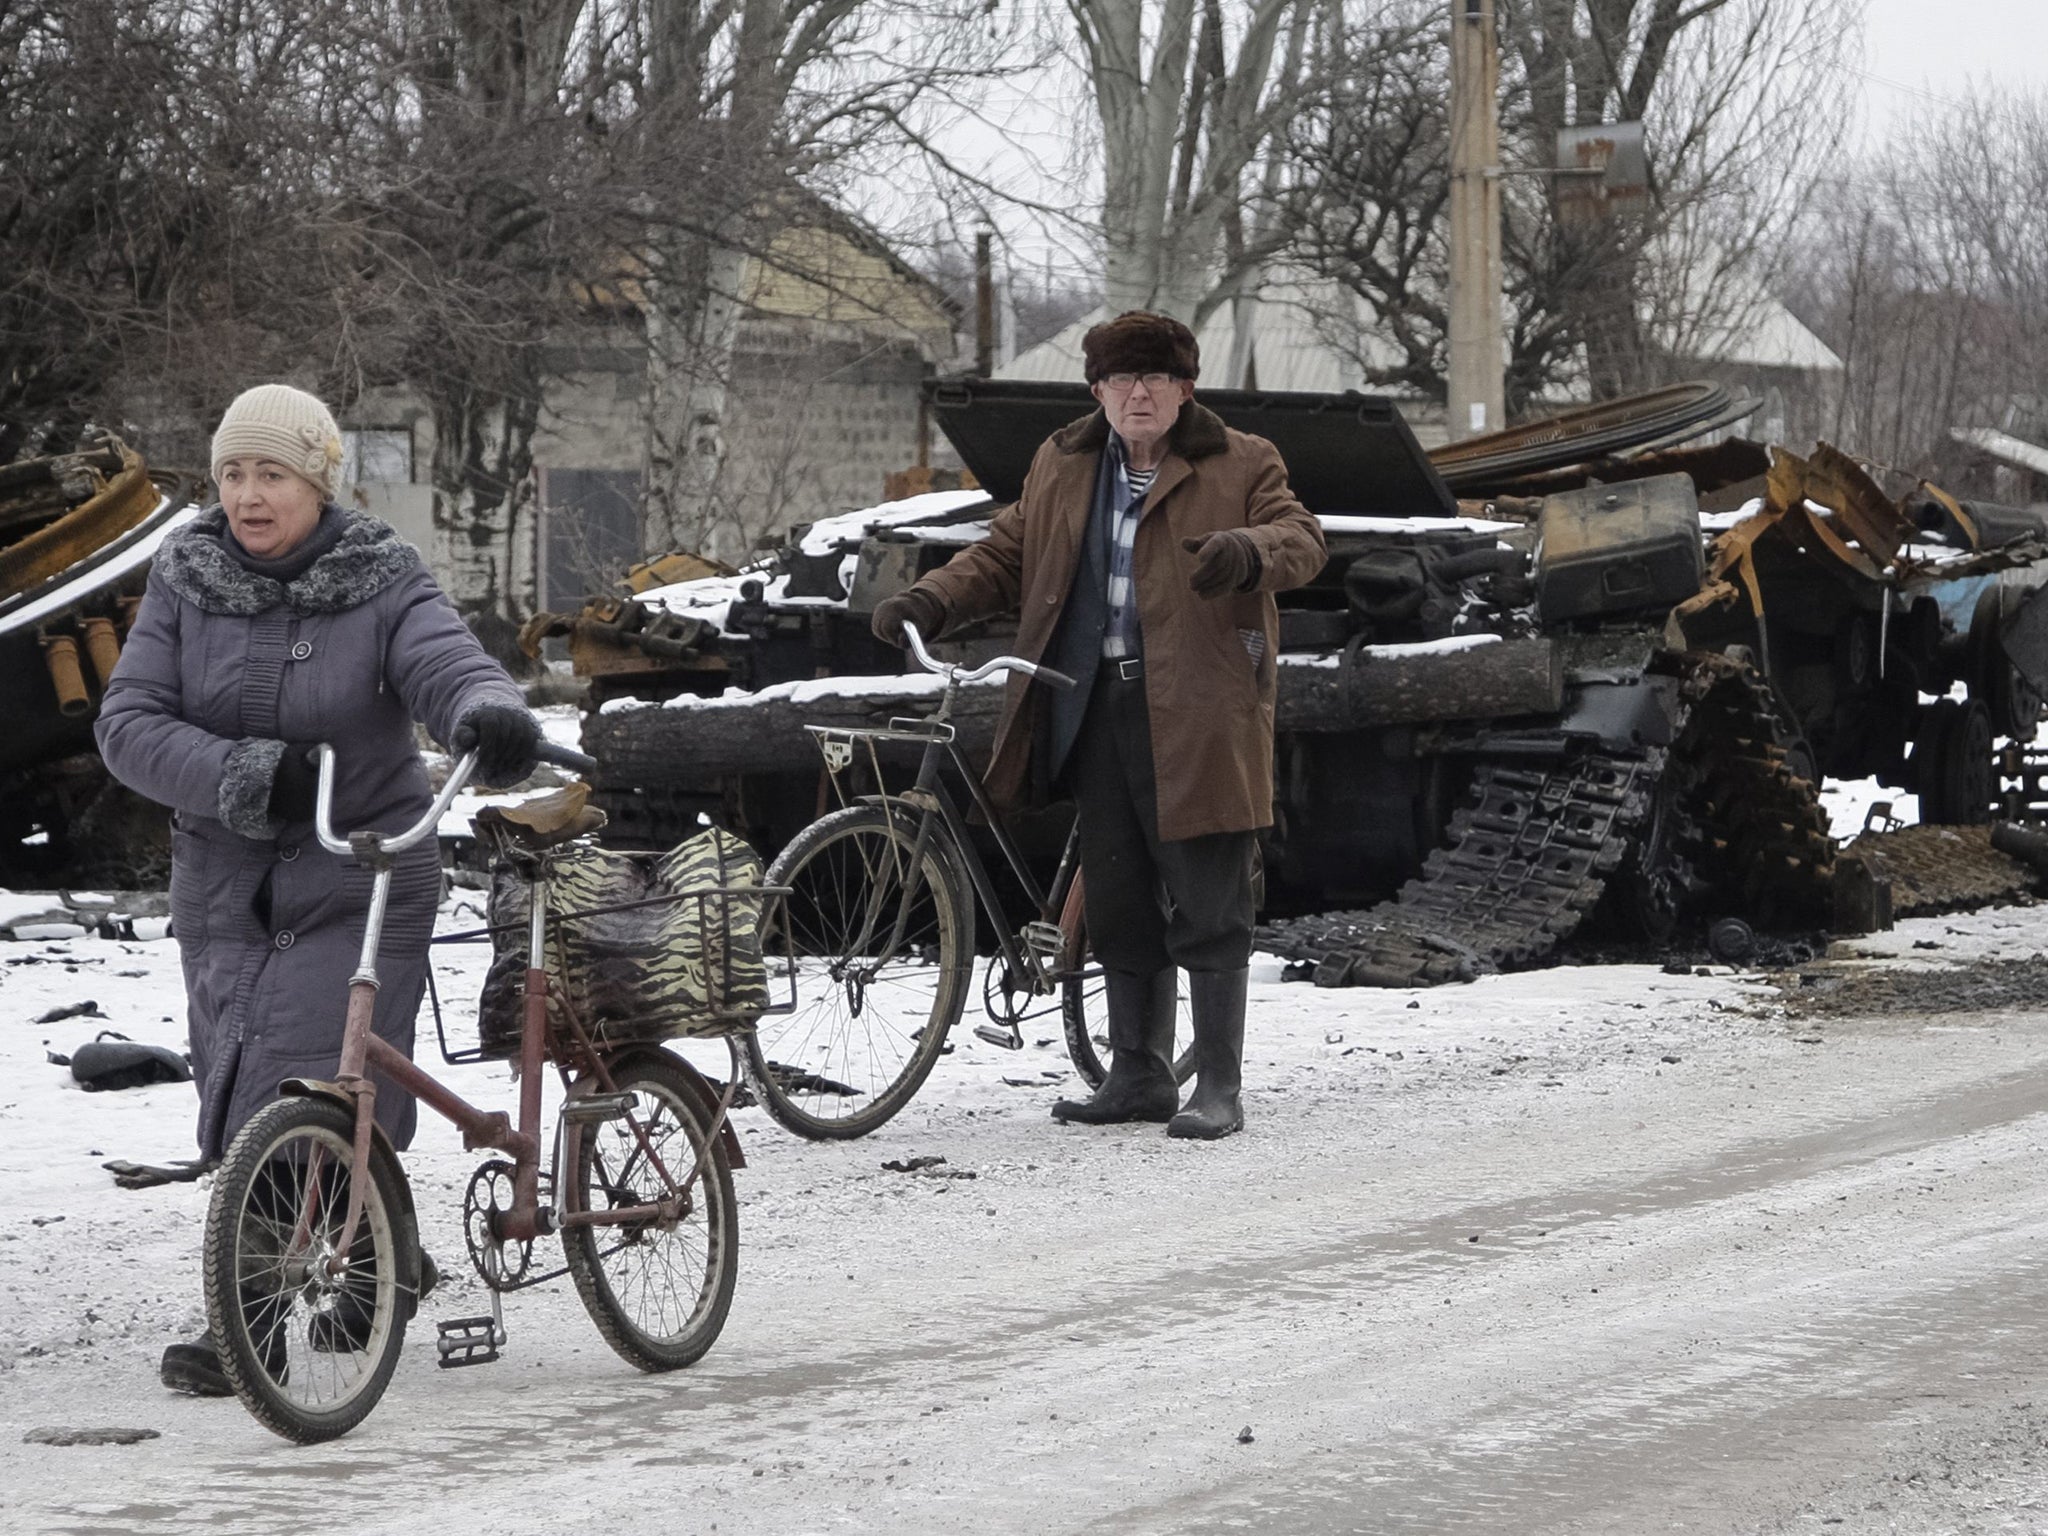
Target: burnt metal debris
<point>1577,673</point>
<point>76,534</point>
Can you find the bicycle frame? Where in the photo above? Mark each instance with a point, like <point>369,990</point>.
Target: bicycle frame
<point>930,798</point>
<point>362,1048</point>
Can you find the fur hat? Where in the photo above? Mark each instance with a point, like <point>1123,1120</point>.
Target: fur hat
<point>284,425</point>
<point>1138,341</point>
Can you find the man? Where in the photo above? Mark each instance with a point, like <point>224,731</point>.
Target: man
<point>1142,559</point>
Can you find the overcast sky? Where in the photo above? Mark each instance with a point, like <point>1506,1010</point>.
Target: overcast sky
<point>1926,53</point>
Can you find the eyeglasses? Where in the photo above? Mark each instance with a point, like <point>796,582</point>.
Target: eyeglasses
<point>1124,383</point>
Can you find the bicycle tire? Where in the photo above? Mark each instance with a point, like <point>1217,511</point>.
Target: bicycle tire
<point>659,1295</point>
<point>308,1354</point>
<point>860,1033</point>
<point>1084,1014</point>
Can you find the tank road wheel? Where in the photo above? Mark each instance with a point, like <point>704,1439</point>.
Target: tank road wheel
<point>872,1011</point>
<point>1646,897</point>
<point>309,1350</point>
<point>658,1290</point>
<point>1958,780</point>
<point>2014,702</point>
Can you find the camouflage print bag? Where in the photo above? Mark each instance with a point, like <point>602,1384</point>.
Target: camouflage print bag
<point>689,965</point>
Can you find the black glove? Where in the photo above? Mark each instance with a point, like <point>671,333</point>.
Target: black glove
<point>507,742</point>
<point>294,786</point>
<point>909,606</point>
<point>1229,562</point>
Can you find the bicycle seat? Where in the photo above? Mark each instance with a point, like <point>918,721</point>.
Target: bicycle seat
<point>545,821</point>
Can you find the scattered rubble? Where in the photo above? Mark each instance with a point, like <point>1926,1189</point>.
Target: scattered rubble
<point>108,1435</point>
<point>137,916</point>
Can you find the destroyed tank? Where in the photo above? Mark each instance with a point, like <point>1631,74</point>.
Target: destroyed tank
<point>1565,674</point>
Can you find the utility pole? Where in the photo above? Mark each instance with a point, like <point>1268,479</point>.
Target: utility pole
<point>985,303</point>
<point>1477,394</point>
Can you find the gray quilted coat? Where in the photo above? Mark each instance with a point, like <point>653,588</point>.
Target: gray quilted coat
<point>221,670</point>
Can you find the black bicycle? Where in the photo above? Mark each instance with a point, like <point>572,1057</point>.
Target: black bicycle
<point>879,916</point>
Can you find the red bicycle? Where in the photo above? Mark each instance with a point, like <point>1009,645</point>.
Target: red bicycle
<point>312,1257</point>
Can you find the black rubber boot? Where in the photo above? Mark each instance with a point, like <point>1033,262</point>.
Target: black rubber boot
<point>1139,1084</point>
<point>1216,999</point>
<point>193,1367</point>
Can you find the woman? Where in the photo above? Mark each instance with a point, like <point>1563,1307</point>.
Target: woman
<point>274,621</point>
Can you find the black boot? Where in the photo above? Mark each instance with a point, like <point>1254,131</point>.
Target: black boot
<point>1139,1085</point>
<point>1216,999</point>
<point>193,1367</point>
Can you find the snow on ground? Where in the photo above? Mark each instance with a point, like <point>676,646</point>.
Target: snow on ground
<point>99,1278</point>
<point>1849,806</point>
<point>94,1280</point>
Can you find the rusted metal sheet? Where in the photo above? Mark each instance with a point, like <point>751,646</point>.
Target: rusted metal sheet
<point>1832,480</point>
<point>116,505</point>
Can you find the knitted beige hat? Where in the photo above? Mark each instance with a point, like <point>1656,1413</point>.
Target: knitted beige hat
<point>284,425</point>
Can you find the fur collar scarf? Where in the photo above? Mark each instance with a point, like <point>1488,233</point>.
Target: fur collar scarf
<point>369,557</point>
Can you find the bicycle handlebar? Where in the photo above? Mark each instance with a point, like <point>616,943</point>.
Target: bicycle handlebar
<point>566,757</point>
<point>458,779</point>
<point>1036,671</point>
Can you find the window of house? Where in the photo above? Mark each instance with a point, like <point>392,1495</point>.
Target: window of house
<point>376,456</point>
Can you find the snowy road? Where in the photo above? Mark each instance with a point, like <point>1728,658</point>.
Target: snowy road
<point>1485,1260</point>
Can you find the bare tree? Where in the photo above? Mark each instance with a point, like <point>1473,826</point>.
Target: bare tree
<point>124,128</point>
<point>1369,211</point>
<point>1742,111</point>
<point>455,197</point>
<point>1927,271</point>
<point>788,91</point>
<point>1740,106</point>
<point>1187,108</point>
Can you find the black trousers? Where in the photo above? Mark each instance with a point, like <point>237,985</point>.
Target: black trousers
<point>1150,904</point>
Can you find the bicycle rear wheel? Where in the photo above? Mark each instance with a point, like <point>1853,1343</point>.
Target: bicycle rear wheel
<point>309,1352</point>
<point>872,1010</point>
<point>658,1290</point>
<point>1084,1011</point>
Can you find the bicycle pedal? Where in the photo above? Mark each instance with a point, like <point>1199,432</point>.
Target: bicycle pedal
<point>468,1341</point>
<point>1044,941</point>
<point>995,1034</point>
<point>597,1108</point>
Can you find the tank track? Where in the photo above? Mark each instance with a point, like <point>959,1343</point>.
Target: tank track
<point>1524,860</point>
<point>1529,854</point>
<point>1768,855</point>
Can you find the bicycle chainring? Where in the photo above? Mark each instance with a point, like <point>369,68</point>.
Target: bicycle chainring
<point>501,1265</point>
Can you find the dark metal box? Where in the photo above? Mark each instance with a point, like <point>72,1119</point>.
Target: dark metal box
<point>1615,549</point>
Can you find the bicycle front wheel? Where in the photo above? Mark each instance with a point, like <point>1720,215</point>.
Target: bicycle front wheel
<point>883,955</point>
<point>308,1344</point>
<point>657,1289</point>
